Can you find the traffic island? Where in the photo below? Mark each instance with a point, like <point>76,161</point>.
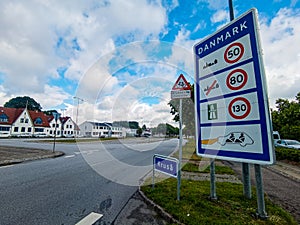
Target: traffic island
<point>13,155</point>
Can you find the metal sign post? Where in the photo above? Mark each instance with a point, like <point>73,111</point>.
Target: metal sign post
<point>180,90</point>
<point>245,166</point>
<point>56,117</point>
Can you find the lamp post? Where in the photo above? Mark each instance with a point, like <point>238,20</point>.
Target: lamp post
<point>78,100</point>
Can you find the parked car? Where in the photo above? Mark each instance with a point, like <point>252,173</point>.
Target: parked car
<point>288,143</point>
<point>40,135</point>
<point>276,136</point>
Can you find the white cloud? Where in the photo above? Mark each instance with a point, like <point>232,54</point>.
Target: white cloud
<point>219,16</point>
<point>38,37</point>
<point>281,51</point>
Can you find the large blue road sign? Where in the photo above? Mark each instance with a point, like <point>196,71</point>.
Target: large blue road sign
<point>167,165</point>
<point>231,103</point>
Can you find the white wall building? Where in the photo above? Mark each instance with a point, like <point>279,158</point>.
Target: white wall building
<point>97,129</point>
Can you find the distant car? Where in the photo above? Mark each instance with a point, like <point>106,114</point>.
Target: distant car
<point>288,143</point>
<point>40,135</point>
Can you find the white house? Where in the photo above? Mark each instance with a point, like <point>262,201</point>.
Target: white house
<point>97,129</point>
<point>27,123</point>
<point>69,127</point>
<point>55,127</point>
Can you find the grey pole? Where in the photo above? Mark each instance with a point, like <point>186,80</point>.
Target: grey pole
<point>180,150</point>
<point>245,166</point>
<point>246,180</point>
<point>261,211</point>
<point>213,193</point>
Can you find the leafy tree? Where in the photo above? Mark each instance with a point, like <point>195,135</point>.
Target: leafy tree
<point>188,112</point>
<point>286,119</point>
<point>23,102</point>
<point>166,129</point>
<point>139,131</point>
<point>50,112</point>
<point>144,127</point>
<point>133,125</point>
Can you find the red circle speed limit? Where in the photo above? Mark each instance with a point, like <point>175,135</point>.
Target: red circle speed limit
<point>234,52</point>
<point>236,79</point>
<point>239,108</point>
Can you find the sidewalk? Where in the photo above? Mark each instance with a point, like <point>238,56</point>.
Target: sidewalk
<point>287,170</point>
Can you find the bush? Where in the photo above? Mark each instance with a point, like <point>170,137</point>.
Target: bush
<point>287,154</point>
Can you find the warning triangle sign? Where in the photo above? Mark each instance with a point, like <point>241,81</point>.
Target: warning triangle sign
<point>181,84</point>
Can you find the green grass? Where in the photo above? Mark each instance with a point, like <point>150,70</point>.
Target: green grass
<point>219,169</point>
<point>195,207</point>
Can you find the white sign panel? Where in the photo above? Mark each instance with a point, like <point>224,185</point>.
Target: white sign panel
<point>232,113</point>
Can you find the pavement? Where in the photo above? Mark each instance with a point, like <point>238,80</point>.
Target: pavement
<point>139,210</point>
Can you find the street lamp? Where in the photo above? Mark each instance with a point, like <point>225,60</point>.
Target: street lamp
<point>78,100</point>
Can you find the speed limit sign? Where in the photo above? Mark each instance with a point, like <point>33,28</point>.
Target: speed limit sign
<point>231,102</point>
<point>236,79</point>
<point>239,108</point>
<point>234,52</point>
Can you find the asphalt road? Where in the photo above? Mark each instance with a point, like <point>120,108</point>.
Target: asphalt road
<point>91,177</point>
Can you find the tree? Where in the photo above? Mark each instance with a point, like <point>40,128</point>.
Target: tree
<point>50,112</point>
<point>188,112</point>
<point>139,131</point>
<point>286,119</point>
<point>144,127</point>
<point>23,102</point>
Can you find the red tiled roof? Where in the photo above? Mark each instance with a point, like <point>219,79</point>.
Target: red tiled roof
<point>11,113</point>
<point>36,114</point>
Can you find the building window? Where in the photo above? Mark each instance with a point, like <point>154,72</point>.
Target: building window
<point>29,129</point>
<point>39,130</point>
<point>23,129</point>
<point>38,121</point>
<point>4,128</point>
<point>71,126</point>
<point>26,120</point>
<point>22,120</point>
<point>3,118</point>
<point>16,129</point>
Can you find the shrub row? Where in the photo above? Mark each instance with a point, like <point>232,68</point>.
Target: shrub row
<point>287,154</point>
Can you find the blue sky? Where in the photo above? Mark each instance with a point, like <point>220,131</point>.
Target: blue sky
<point>123,57</point>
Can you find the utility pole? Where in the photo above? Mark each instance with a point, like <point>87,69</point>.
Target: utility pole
<point>78,101</point>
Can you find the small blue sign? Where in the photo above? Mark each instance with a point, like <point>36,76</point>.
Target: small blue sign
<point>166,165</point>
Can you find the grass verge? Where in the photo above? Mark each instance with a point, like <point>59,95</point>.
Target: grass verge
<point>195,207</point>
<point>219,169</point>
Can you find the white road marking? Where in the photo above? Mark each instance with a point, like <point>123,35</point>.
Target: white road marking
<point>69,156</point>
<point>90,219</point>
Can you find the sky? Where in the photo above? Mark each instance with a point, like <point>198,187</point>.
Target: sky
<point>118,60</point>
